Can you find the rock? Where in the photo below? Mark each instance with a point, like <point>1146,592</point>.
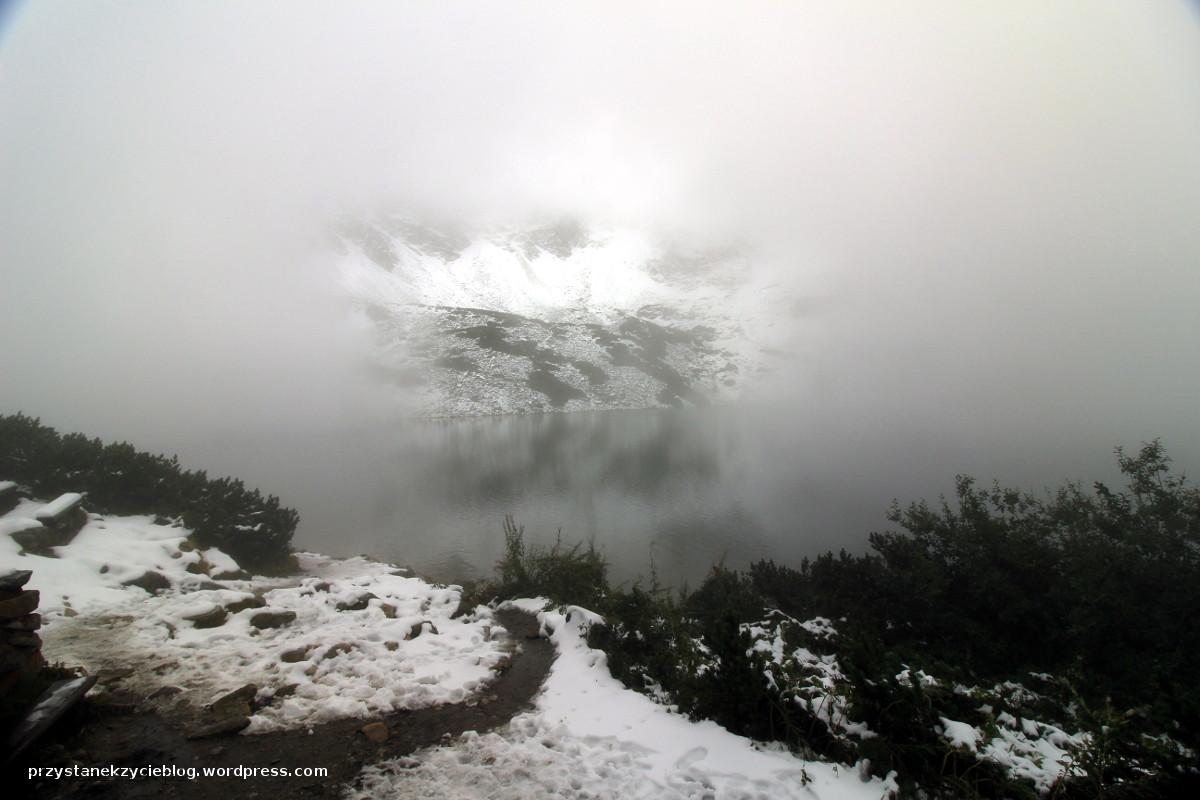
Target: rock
<point>253,601</point>
<point>233,575</point>
<point>338,649</point>
<point>287,690</point>
<point>22,640</point>
<point>200,586</point>
<point>24,603</point>
<point>376,732</point>
<point>358,603</point>
<point>163,692</point>
<point>14,580</point>
<point>221,727</point>
<point>294,656</point>
<point>388,609</point>
<point>272,619</point>
<point>323,586</point>
<point>107,676</point>
<point>236,703</point>
<point>419,628</point>
<point>70,612</point>
<point>187,546</point>
<point>53,703</point>
<point>213,618</point>
<point>392,646</point>
<point>197,567</point>
<point>150,581</point>
<point>29,622</point>
<point>104,569</point>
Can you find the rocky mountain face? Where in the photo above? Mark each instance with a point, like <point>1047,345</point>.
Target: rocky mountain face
<point>558,317</point>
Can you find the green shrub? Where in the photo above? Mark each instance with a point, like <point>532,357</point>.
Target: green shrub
<point>119,479</point>
<point>995,589</point>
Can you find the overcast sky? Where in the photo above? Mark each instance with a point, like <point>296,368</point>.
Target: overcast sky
<point>996,207</point>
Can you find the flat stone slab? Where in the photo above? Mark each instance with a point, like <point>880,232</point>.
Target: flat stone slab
<point>59,507</point>
<point>48,709</point>
<point>14,579</point>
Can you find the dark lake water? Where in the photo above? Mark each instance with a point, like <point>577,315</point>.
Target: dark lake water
<point>679,489</point>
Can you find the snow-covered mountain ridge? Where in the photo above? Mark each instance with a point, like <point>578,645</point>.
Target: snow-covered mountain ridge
<point>554,317</point>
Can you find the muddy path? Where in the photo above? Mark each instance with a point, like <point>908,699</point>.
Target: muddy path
<point>127,737</point>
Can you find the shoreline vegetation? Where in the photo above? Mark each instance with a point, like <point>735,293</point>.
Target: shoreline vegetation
<point>119,479</point>
<point>999,644</point>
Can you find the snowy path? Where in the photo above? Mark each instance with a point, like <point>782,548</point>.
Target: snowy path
<point>148,737</point>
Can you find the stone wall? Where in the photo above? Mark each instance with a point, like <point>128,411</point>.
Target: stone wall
<point>20,645</point>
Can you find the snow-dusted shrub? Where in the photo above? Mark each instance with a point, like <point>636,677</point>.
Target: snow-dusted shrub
<point>119,479</point>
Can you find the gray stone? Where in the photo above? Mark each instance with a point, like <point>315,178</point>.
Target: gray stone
<point>233,575</point>
<point>29,622</point>
<point>22,640</point>
<point>358,603</point>
<point>272,619</point>
<point>238,702</point>
<point>253,601</point>
<point>419,628</point>
<point>107,676</point>
<point>213,618</point>
<point>338,649</point>
<point>24,603</point>
<point>294,656</point>
<point>49,708</point>
<point>221,727</point>
<point>150,581</point>
<point>13,580</point>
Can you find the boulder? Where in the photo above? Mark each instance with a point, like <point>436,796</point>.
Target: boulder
<point>213,618</point>
<point>24,603</point>
<point>359,603</point>
<point>62,517</point>
<point>419,628</point>
<point>287,690</point>
<point>295,655</point>
<point>150,581</point>
<point>29,622</point>
<point>233,575</point>
<point>48,709</point>
<point>32,536</point>
<point>14,580</point>
<point>252,601</point>
<point>338,649</point>
<point>236,703</point>
<point>272,619</point>
<point>221,727</point>
<point>112,675</point>
<point>22,640</point>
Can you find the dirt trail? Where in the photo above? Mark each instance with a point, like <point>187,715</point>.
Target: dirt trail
<point>146,738</point>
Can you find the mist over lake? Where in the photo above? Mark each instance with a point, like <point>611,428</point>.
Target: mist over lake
<point>686,488</point>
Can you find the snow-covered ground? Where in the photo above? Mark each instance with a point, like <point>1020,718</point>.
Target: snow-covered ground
<point>358,638</point>
<point>590,737</point>
<point>365,638</point>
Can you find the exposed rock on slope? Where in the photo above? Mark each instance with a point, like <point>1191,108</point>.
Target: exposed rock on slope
<point>553,318</point>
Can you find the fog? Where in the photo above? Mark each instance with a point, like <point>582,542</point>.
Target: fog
<point>992,211</point>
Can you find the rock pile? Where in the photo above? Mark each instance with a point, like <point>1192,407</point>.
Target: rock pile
<point>20,645</point>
